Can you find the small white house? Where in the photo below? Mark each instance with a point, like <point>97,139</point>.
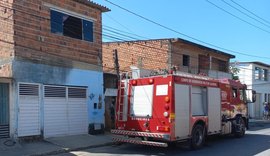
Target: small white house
<point>256,76</point>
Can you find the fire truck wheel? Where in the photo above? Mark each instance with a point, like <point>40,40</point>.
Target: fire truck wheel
<point>198,137</point>
<point>241,127</point>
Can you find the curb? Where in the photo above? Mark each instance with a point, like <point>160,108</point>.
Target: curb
<point>260,121</point>
<point>66,150</point>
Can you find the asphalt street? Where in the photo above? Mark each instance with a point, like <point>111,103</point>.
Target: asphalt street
<point>255,142</point>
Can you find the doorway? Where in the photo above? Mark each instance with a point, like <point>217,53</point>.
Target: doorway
<point>110,112</point>
<point>4,110</point>
<point>257,107</point>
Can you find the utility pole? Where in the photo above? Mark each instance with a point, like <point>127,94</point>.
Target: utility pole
<point>116,63</point>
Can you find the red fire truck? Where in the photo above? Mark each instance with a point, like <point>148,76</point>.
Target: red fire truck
<point>164,109</point>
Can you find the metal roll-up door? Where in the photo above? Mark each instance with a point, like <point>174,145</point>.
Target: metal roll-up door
<point>55,111</point>
<point>29,110</point>
<point>77,111</point>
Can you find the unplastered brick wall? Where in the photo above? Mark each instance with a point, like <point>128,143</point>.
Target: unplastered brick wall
<point>181,48</point>
<point>34,40</point>
<point>151,54</point>
<point>6,38</point>
<point>5,70</point>
<point>6,30</point>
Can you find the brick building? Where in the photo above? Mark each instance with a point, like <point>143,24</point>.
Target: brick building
<point>165,53</point>
<point>51,78</point>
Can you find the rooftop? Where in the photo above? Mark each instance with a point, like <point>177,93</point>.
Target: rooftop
<point>256,62</point>
<point>93,4</point>
<point>178,40</point>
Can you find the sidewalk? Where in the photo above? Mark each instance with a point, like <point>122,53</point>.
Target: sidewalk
<point>259,121</point>
<point>65,144</point>
<point>54,145</point>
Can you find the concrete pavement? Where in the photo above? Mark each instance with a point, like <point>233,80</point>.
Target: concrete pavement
<point>65,144</point>
<point>55,145</point>
<point>259,121</point>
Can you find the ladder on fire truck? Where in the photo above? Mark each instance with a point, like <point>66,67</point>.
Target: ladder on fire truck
<point>122,97</point>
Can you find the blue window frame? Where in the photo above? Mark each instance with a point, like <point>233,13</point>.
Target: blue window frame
<point>57,22</point>
<point>71,26</point>
<point>88,31</point>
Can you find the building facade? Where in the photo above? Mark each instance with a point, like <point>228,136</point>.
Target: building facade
<point>50,68</point>
<point>256,76</point>
<point>186,56</point>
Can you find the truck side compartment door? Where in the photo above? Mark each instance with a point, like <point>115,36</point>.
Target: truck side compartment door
<point>214,110</point>
<point>182,110</point>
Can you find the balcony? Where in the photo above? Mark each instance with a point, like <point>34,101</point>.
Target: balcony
<point>217,74</point>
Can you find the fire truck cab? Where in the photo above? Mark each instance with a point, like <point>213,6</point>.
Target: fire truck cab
<point>171,108</point>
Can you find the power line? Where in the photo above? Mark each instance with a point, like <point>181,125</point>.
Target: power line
<point>198,40</point>
<point>245,13</point>
<point>117,22</point>
<point>237,17</point>
<point>110,36</point>
<point>145,46</point>
<point>190,67</point>
<point>37,41</point>
<point>107,66</point>
<point>70,47</point>
<point>151,47</point>
<point>172,30</point>
<point>251,12</point>
<point>121,31</point>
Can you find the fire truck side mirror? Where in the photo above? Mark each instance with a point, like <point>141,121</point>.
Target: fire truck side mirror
<point>250,96</point>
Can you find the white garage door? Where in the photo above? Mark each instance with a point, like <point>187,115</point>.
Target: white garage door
<point>65,111</point>
<point>77,111</point>
<point>29,110</point>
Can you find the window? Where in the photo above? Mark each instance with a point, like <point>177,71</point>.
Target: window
<point>223,66</point>
<point>265,97</point>
<point>264,74</point>
<point>241,94</point>
<point>186,60</point>
<point>71,26</point>
<point>204,62</point>
<point>234,93</point>
<point>261,74</point>
<point>257,73</point>
<point>88,31</point>
<point>219,65</point>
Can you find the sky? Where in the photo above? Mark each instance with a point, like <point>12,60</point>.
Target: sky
<point>217,26</point>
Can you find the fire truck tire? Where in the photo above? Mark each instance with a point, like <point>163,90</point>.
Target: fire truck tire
<point>242,127</point>
<point>198,136</point>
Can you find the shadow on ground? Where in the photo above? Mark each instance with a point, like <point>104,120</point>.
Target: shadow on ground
<point>249,145</point>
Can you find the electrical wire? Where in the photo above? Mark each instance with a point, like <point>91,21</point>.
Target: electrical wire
<point>237,16</point>
<point>236,52</point>
<point>118,38</point>
<point>177,32</point>
<point>245,13</point>
<point>266,21</point>
<point>134,43</point>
